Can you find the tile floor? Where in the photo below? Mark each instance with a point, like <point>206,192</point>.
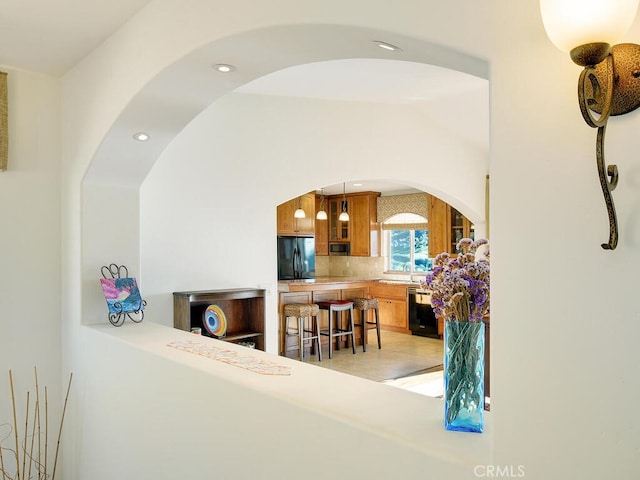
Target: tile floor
<point>405,361</point>
<point>401,355</point>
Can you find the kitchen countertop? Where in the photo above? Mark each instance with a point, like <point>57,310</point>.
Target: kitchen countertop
<point>335,283</point>
<point>323,283</point>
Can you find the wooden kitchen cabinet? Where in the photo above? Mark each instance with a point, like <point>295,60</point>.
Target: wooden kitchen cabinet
<point>447,227</point>
<point>460,228</point>
<point>339,231</point>
<point>288,224</point>
<point>243,308</point>
<point>438,226</point>
<point>393,314</point>
<point>365,230</point>
<point>322,230</point>
<point>362,230</point>
<point>393,306</point>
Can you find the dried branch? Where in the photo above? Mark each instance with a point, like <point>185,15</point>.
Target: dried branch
<point>33,435</point>
<point>24,443</point>
<point>31,460</point>
<point>46,430</point>
<point>15,425</point>
<point>64,409</point>
<point>4,474</point>
<point>40,477</point>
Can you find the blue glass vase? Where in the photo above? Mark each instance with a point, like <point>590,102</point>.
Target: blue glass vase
<point>464,376</point>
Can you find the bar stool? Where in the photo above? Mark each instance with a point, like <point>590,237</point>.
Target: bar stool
<point>365,304</point>
<point>334,309</point>
<point>302,311</point>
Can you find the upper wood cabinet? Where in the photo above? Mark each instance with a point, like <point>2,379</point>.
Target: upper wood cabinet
<point>460,227</point>
<point>362,230</point>
<point>339,231</point>
<point>288,225</point>
<point>447,227</point>
<point>322,230</point>
<point>365,230</point>
<point>438,226</point>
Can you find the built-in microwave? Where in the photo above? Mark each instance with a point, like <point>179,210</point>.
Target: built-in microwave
<point>339,248</point>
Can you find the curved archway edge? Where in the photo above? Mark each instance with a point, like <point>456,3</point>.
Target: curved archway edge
<point>182,90</point>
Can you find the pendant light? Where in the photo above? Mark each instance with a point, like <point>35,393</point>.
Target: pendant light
<point>344,216</point>
<point>322,213</point>
<point>299,213</point>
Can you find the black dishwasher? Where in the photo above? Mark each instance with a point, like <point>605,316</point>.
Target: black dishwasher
<point>422,320</point>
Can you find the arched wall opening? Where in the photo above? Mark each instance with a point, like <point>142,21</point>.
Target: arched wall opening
<point>196,204</point>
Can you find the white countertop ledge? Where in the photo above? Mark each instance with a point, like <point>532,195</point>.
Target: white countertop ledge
<point>409,418</point>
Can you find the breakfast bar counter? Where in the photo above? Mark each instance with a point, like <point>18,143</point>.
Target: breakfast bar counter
<point>315,290</point>
<point>324,284</point>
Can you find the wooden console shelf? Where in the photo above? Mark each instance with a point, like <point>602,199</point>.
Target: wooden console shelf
<point>244,310</point>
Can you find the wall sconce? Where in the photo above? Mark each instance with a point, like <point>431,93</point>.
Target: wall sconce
<point>610,81</point>
<point>299,213</point>
<point>322,213</point>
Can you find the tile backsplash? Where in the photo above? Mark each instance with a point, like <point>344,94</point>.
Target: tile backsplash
<point>347,266</point>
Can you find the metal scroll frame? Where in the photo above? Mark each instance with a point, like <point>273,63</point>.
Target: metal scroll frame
<point>118,318</point>
<point>609,85</point>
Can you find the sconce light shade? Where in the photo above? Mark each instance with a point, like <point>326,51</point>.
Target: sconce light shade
<point>572,23</point>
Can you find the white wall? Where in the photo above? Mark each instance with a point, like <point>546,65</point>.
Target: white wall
<point>563,317</point>
<point>220,180</point>
<point>564,322</point>
<point>30,242</point>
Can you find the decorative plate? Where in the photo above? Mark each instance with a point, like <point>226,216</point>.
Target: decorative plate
<point>215,321</point>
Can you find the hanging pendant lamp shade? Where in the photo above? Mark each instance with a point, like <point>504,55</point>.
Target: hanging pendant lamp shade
<point>322,213</point>
<point>344,216</point>
<point>299,213</point>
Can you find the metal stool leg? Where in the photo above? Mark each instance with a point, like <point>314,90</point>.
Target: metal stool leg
<point>330,315</point>
<point>351,327</point>
<point>375,310</point>
<point>338,318</point>
<point>363,318</point>
<point>316,322</point>
<point>301,337</point>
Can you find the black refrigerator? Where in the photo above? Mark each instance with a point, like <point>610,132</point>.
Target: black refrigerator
<point>296,258</point>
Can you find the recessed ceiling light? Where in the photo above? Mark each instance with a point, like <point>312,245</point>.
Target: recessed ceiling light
<point>141,136</point>
<point>224,68</point>
<point>357,184</point>
<point>387,46</point>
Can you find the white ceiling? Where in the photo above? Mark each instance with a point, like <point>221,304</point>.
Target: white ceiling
<point>367,80</point>
<point>50,36</point>
<point>383,81</point>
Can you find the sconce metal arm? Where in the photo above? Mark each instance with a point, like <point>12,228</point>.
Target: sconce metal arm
<point>592,97</point>
<point>608,185</point>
